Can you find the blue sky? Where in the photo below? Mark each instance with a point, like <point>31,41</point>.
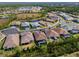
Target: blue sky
<point>39,0</point>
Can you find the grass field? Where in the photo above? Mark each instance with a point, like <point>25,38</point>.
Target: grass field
<point>29,16</point>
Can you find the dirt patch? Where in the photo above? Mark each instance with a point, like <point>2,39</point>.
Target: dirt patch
<point>3,21</point>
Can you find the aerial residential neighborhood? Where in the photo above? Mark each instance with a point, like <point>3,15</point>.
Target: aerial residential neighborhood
<point>39,29</point>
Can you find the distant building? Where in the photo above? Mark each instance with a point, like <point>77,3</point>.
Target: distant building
<point>33,9</point>
<point>36,8</point>
<point>66,16</point>
<point>24,9</point>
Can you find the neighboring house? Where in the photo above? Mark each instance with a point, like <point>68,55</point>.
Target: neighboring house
<point>26,37</point>
<point>66,16</point>
<point>65,35</point>
<point>35,24</point>
<point>34,9</point>
<point>68,25</point>
<point>52,18</point>
<point>77,21</point>
<point>45,23</point>
<point>11,41</point>
<point>62,32</point>
<point>51,34</point>
<point>40,37</point>
<point>11,30</point>
<point>74,31</point>
<point>25,25</point>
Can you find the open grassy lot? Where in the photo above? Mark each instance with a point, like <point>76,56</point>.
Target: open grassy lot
<point>3,21</point>
<point>29,16</point>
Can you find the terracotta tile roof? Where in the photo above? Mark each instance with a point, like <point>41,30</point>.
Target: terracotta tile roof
<point>26,37</point>
<point>60,31</point>
<point>11,41</point>
<point>11,30</point>
<point>51,33</point>
<point>39,35</point>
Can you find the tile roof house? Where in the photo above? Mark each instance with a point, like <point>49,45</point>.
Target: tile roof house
<point>52,18</point>
<point>25,25</point>
<point>62,32</point>
<point>74,31</point>
<point>45,23</point>
<point>35,24</point>
<point>51,34</point>
<point>67,25</point>
<point>66,16</point>
<point>11,30</point>
<point>26,37</point>
<point>76,20</point>
<point>40,37</point>
<point>11,41</point>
